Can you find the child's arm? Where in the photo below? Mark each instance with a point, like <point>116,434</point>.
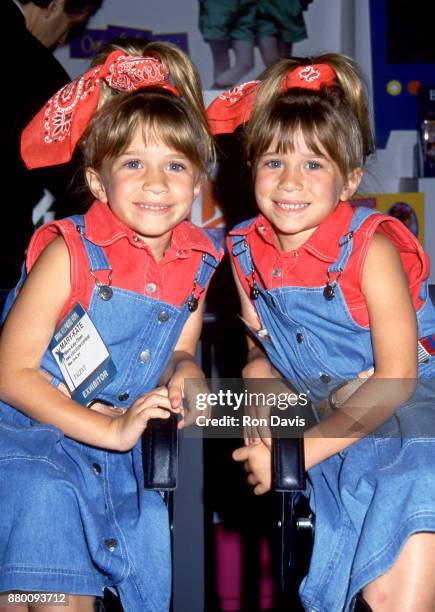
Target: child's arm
<point>182,365</point>
<point>27,333</point>
<point>394,338</point>
<point>393,328</point>
<point>258,364</point>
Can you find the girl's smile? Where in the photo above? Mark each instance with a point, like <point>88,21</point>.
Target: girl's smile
<point>290,207</point>
<point>154,209</point>
<point>297,189</point>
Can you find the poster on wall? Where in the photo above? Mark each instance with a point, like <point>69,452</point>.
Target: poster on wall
<point>87,44</point>
<point>407,207</point>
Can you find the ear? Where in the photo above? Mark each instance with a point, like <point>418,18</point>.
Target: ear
<point>55,7</point>
<point>96,185</point>
<point>201,181</point>
<point>354,178</point>
<point>197,188</point>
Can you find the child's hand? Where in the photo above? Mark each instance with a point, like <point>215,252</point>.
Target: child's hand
<point>261,377</point>
<point>187,370</point>
<point>257,460</point>
<point>128,427</point>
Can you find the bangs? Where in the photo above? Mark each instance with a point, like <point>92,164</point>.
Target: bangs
<point>326,132</point>
<point>161,117</point>
<point>173,131</point>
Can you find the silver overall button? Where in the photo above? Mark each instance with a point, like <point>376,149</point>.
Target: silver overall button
<point>163,316</point>
<point>325,378</point>
<point>151,287</point>
<point>111,544</point>
<point>97,468</point>
<point>145,356</point>
<point>123,397</point>
<point>276,272</point>
<point>105,292</point>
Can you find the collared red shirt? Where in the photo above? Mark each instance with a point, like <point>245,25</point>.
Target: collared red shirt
<point>133,265</point>
<point>307,266</point>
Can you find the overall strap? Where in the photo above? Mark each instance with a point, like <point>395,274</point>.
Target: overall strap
<point>206,268</point>
<point>346,241</point>
<point>209,262</point>
<point>241,250</point>
<point>96,254</point>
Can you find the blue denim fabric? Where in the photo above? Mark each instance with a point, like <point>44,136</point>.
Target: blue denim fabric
<point>371,497</point>
<point>77,519</point>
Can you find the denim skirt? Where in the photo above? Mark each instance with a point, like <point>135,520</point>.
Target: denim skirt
<point>76,519</point>
<point>368,500</point>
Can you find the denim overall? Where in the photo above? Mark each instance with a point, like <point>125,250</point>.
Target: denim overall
<point>371,497</point>
<point>91,523</point>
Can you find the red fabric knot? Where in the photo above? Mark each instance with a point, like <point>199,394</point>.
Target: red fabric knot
<point>129,73</point>
<point>51,136</point>
<point>234,107</point>
<point>313,77</point>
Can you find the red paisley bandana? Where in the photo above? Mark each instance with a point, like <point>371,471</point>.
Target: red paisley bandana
<point>234,107</point>
<point>50,138</point>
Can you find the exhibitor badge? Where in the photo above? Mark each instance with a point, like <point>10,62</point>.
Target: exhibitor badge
<point>82,356</point>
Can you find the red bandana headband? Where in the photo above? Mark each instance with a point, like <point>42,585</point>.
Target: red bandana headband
<point>51,136</point>
<point>234,107</point>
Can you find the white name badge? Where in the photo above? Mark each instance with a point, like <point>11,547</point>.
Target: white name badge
<point>82,356</point>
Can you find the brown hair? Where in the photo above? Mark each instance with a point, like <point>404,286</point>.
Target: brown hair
<point>179,122</point>
<point>335,119</point>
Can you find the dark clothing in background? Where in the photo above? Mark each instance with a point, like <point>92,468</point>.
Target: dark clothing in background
<point>28,83</point>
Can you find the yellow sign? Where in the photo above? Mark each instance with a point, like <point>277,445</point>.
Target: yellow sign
<point>408,207</point>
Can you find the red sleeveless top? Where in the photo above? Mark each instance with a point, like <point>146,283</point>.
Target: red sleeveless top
<point>307,265</point>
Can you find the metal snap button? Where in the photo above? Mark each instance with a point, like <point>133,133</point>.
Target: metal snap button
<point>192,304</point>
<point>325,378</point>
<point>105,292</point>
<point>255,292</point>
<point>97,468</point>
<point>276,272</point>
<point>111,544</point>
<point>299,337</point>
<point>123,396</point>
<point>151,287</point>
<point>328,293</point>
<point>163,316</point>
<point>145,356</point>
